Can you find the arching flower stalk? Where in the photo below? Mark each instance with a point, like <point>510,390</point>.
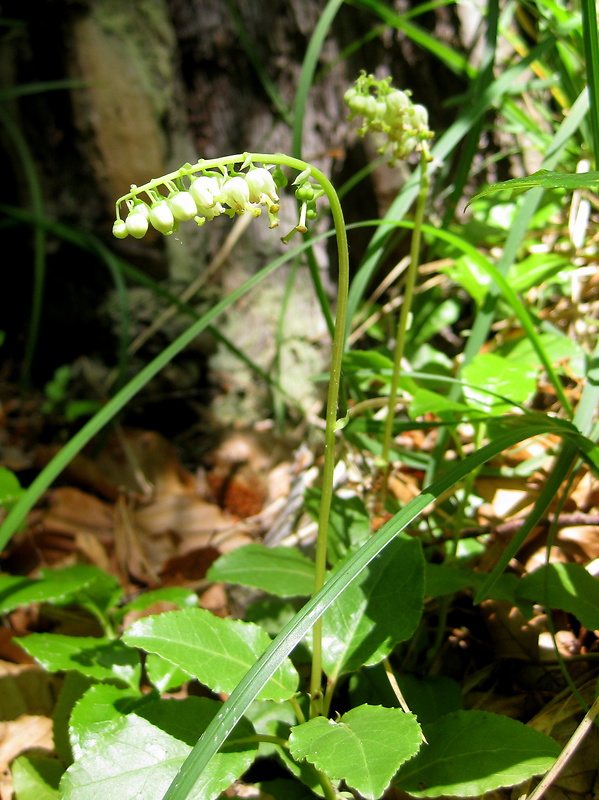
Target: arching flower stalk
<point>403,126</point>
<point>235,185</point>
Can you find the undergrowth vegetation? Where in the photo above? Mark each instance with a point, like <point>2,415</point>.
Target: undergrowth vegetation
<point>470,363</point>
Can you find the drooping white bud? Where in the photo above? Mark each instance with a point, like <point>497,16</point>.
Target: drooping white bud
<point>261,183</point>
<point>137,223</point>
<point>235,192</point>
<point>162,217</point>
<point>205,191</point>
<point>183,206</point>
<point>119,229</point>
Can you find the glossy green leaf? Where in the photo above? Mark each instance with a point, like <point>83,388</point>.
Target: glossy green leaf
<point>498,376</point>
<point>164,675</point>
<point>380,609</point>
<point>99,658</point>
<point>349,523</point>
<point>101,707</point>
<point>139,755</point>
<point>10,488</point>
<point>177,595</point>
<point>36,778</point>
<point>473,752</point>
<point>55,586</point>
<point>282,571</point>
<point>547,180</point>
<point>218,652</point>
<point>566,586</point>
<point>365,748</point>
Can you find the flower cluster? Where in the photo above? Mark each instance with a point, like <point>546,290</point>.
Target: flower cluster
<point>391,112</point>
<point>197,197</point>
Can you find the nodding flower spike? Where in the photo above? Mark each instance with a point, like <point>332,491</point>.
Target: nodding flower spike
<point>390,112</point>
<point>209,194</point>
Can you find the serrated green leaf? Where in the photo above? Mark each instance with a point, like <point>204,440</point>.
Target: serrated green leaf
<point>177,595</point>
<point>349,523</point>
<point>282,571</point>
<point>99,658</point>
<point>10,488</point>
<point>473,752</point>
<point>100,708</point>
<point>163,674</point>
<point>56,585</point>
<point>140,755</point>
<point>545,178</point>
<point>566,586</point>
<point>380,609</point>
<point>218,652</point>
<point>36,778</point>
<point>497,378</point>
<point>364,748</point>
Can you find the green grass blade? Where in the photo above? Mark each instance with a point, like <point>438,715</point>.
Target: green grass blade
<point>456,62</point>
<point>39,241</point>
<point>244,694</point>
<point>591,50</point>
<point>116,403</point>
<point>308,70</point>
<point>255,60</point>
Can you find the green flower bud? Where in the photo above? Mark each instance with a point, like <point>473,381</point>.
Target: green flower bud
<point>119,229</point>
<point>305,192</point>
<point>137,223</point>
<point>182,205</point>
<point>161,217</point>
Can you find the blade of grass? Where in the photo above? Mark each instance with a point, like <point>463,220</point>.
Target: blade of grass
<point>591,51</point>
<point>116,403</point>
<point>39,240</point>
<point>456,62</point>
<point>247,689</point>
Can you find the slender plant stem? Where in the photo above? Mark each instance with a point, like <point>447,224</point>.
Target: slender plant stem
<point>404,316</point>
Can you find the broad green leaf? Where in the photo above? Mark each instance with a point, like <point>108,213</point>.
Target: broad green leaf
<point>428,698</point>
<point>100,708</point>
<point>426,401</point>
<point>282,571</point>
<point>99,658</point>
<point>10,488</point>
<point>218,652</point>
<point>36,778</point>
<point>286,789</point>
<point>557,346</point>
<point>177,595</point>
<point>364,748</point>
<point>473,752</point>
<point>547,179</point>
<point>349,523</point>
<point>68,585</point>
<point>140,755</point>
<point>164,675</point>
<point>497,376</point>
<point>566,586</point>
<point>377,611</point>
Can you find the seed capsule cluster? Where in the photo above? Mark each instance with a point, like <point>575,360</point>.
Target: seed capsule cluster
<point>391,112</point>
<point>198,197</point>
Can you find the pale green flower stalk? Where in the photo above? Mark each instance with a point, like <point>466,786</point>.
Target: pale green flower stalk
<point>234,185</point>
<point>404,129</point>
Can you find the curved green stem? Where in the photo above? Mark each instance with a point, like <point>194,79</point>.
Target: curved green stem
<point>406,306</point>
